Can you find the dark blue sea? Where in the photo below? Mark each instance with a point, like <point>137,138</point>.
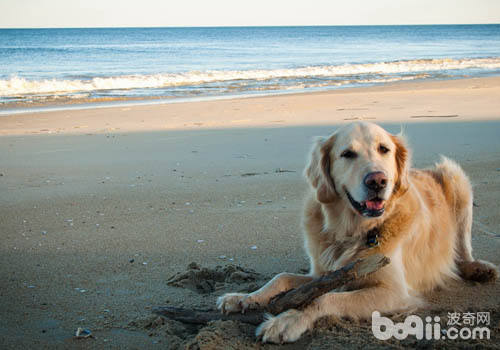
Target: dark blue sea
<point>186,63</point>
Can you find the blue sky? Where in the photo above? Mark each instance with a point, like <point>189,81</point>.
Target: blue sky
<point>149,13</point>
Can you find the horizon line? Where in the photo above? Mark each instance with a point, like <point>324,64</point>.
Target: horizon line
<point>259,26</point>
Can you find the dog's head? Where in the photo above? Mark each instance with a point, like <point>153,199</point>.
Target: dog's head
<point>361,164</point>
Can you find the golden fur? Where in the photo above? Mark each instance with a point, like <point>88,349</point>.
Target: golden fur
<point>424,227</point>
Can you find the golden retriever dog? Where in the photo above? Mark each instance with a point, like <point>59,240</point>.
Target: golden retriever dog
<point>364,198</point>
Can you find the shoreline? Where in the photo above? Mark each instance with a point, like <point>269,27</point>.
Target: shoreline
<point>403,102</point>
<point>67,103</point>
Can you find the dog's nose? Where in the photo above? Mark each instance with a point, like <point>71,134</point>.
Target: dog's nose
<point>376,181</point>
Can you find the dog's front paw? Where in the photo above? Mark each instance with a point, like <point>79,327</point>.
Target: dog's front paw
<point>287,327</point>
<point>235,302</point>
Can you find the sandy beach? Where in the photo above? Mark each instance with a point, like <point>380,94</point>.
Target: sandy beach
<point>100,207</point>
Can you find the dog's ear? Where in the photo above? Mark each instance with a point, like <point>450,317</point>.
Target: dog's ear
<point>402,164</point>
<point>318,170</point>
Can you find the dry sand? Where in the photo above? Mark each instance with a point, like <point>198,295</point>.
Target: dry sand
<point>100,207</point>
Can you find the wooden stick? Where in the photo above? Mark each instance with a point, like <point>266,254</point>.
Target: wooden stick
<point>306,293</point>
<point>197,316</point>
<point>292,299</point>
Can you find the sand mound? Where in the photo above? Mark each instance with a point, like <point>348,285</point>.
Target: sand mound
<point>206,280</point>
<point>224,335</point>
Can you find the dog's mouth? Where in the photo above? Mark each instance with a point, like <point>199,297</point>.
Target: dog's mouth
<point>372,208</point>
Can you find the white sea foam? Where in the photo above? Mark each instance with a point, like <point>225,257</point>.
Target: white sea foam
<point>17,86</point>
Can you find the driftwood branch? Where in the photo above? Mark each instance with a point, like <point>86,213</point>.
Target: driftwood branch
<point>197,316</point>
<point>292,299</point>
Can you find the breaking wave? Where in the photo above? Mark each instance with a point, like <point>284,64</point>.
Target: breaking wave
<point>355,73</point>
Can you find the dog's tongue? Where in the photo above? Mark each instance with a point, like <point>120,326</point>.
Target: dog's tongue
<point>374,205</point>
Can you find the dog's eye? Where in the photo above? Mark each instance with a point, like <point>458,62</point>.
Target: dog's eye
<point>348,154</point>
<point>382,149</point>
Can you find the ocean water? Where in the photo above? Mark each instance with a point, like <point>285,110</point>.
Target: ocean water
<point>173,63</point>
